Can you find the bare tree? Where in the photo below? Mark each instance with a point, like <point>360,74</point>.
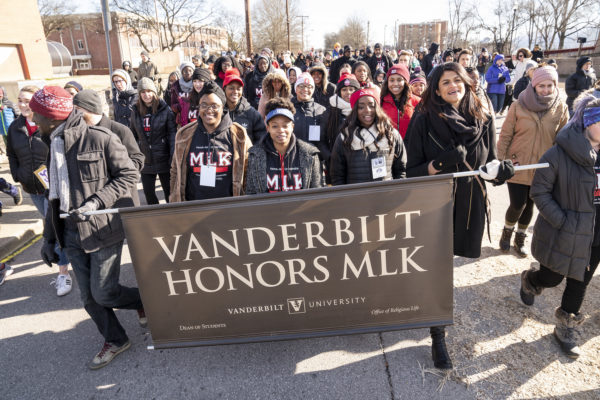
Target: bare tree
<point>177,21</point>
<point>233,23</point>
<point>55,15</point>
<point>331,39</point>
<point>353,32</point>
<point>502,26</point>
<point>573,16</point>
<point>462,22</point>
<point>270,28</point>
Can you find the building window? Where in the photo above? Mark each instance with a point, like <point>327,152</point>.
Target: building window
<point>77,27</point>
<point>79,44</point>
<point>84,65</point>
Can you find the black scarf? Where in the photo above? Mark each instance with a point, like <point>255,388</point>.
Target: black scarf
<point>453,128</point>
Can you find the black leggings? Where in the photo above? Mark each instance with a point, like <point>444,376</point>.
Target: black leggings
<point>521,206</point>
<point>575,290</point>
<point>149,185</point>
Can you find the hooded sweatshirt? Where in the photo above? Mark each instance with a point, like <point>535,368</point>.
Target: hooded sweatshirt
<point>214,149</point>
<point>493,76</point>
<point>320,97</point>
<point>250,119</point>
<point>253,82</point>
<point>579,81</point>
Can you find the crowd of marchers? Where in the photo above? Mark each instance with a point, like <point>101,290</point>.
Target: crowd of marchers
<point>234,126</point>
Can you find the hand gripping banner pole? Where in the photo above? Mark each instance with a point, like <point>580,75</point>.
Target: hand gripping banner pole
<point>454,175</point>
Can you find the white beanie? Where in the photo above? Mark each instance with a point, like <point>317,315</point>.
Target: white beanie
<point>304,78</point>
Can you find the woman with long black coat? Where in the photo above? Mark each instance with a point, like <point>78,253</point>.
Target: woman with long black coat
<point>153,125</point>
<point>451,133</point>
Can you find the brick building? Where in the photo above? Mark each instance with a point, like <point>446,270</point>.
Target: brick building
<point>85,39</point>
<point>413,36</point>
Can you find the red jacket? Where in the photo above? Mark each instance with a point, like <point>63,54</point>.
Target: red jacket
<point>400,120</point>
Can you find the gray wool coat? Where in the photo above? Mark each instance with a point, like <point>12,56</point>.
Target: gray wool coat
<point>564,195</point>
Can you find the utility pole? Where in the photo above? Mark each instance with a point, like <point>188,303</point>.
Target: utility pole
<point>287,16</point>
<point>158,26</point>
<point>107,29</point>
<point>384,29</point>
<point>248,29</point>
<point>368,27</point>
<point>302,16</point>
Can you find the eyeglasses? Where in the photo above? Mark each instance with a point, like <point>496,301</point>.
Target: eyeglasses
<point>211,107</point>
<point>118,80</point>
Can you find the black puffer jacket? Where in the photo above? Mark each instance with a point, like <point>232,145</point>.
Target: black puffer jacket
<point>310,113</point>
<point>250,119</point>
<point>123,103</point>
<point>354,166</point>
<point>25,155</point>
<point>564,195</point>
<point>334,71</point>
<point>158,149</point>
<point>578,82</point>
<point>306,154</point>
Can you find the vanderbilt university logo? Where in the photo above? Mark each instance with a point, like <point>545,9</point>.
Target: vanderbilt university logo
<point>296,306</point>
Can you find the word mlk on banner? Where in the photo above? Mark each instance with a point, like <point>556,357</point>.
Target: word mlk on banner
<point>351,259</point>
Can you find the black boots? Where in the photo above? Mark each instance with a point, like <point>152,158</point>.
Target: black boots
<point>528,289</point>
<point>520,244</point>
<point>505,239</point>
<point>439,353</point>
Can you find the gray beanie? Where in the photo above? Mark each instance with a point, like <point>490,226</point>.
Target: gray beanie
<point>146,84</point>
<point>89,100</point>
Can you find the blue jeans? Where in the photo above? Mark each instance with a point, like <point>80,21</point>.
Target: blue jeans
<point>41,203</point>
<point>97,275</point>
<point>497,100</point>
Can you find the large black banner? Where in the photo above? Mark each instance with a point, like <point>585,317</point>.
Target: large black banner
<point>353,259</point>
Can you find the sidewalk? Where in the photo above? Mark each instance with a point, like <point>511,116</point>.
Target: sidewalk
<point>18,224</point>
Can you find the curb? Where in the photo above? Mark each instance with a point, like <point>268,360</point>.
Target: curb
<point>18,241</point>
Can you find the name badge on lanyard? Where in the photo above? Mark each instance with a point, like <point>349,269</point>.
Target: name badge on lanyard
<point>378,167</point>
<point>314,133</point>
<point>208,175</point>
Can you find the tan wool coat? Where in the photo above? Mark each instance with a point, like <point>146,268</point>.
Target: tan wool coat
<point>525,137</point>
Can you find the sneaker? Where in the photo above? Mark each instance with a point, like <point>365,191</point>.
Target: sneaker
<point>5,270</point>
<point>107,354</point>
<point>63,284</point>
<point>17,195</point>
<point>142,318</point>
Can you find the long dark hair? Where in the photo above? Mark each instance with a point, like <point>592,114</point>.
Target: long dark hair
<point>432,103</point>
<point>404,95</point>
<point>145,109</point>
<point>382,124</point>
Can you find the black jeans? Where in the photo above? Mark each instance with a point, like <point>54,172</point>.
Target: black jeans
<point>149,185</point>
<point>575,290</point>
<point>97,275</point>
<point>521,206</point>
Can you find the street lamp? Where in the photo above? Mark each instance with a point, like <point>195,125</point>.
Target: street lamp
<point>513,28</point>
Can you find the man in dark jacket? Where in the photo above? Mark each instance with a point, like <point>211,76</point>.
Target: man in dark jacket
<point>239,109</point>
<point>308,117</point>
<point>89,103</point>
<point>378,60</point>
<point>334,71</point>
<point>427,62</point>
<point>147,68</point>
<point>89,169</point>
<point>583,79</point>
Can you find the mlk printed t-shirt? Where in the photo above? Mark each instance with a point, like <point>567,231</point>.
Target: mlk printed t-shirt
<point>215,149</point>
<point>283,171</point>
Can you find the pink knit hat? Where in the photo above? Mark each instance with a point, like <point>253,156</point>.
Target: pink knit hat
<point>545,73</point>
<point>52,102</point>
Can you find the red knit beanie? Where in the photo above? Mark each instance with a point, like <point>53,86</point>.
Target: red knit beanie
<point>53,102</point>
<point>399,69</point>
<point>364,92</point>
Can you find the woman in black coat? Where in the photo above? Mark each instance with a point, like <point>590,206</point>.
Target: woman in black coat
<point>368,148</point>
<point>124,96</point>
<point>451,133</point>
<point>153,125</point>
<point>566,235</point>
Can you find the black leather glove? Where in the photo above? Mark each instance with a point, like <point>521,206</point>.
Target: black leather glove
<point>502,79</point>
<point>506,170</point>
<point>48,254</point>
<point>449,158</point>
<point>77,214</point>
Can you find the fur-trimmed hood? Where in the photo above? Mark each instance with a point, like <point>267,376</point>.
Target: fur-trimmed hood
<point>286,89</point>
